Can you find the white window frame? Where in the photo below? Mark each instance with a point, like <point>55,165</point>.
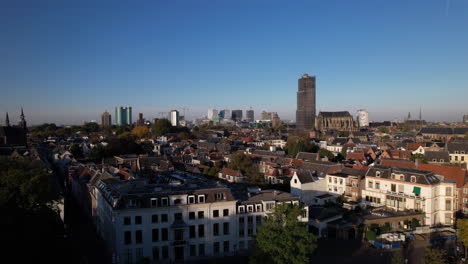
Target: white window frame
<point>250,208</point>
<point>156,202</point>
<point>131,203</point>
<point>258,208</point>
<point>164,201</point>
<point>201,198</point>
<point>241,209</point>
<point>191,197</point>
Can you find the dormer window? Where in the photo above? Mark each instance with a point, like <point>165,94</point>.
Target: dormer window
<point>462,152</point>
<point>258,207</point>
<point>456,151</point>
<point>177,201</point>
<point>434,160</point>
<point>218,196</point>
<point>441,160</point>
<point>164,201</point>
<point>250,208</point>
<point>377,174</point>
<point>154,202</point>
<point>241,209</point>
<point>201,198</point>
<point>393,176</point>
<point>413,178</point>
<point>132,203</point>
<point>295,202</point>
<point>402,178</point>
<point>191,199</point>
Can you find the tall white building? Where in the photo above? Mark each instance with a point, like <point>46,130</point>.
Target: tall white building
<point>182,219</point>
<point>212,113</point>
<point>363,118</point>
<point>174,116</point>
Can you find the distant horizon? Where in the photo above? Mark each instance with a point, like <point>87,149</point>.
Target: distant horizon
<point>68,62</point>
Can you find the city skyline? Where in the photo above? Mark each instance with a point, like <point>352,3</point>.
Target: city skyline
<point>209,58</point>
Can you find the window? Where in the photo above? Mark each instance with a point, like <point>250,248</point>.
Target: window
<point>226,246</point>
<point>241,220</point>
<point>193,250</point>
<point>165,252</point>
<point>250,231</point>
<point>216,213</point>
<point>401,188</point>
<point>201,198</point>
<point>329,179</point>
<point>241,209</point>
<point>218,196</point>
<point>201,250</point>
<point>448,219</point>
<point>177,201</point>
<point>465,190</point>
<point>216,229</point>
<point>154,202</point>
<point>226,212</point>
<point>137,220</point>
<point>448,191</point>
<point>128,256</point>
<point>201,214</point>
<point>154,219</point>
<point>377,185</point>
<point>393,187</point>
<point>138,254</point>
<point>258,207</point>
<point>250,219</point>
<point>191,199</point>
<point>127,220</point>
<point>164,218</point>
<point>192,231</point>
<point>448,204</point>
<point>216,247</point>
<point>370,184</point>
<point>201,230</point>
<point>226,228</point>
<point>155,234</point>
<point>295,180</point>
<point>191,215</point>
<point>132,203</point>
<point>456,158</point>
<point>335,180</point>
<point>413,179</point>
<point>250,208</point>
<point>127,237</point>
<point>164,234</point>
<point>179,234</point>
<point>462,158</point>
<point>270,206</point>
<point>258,219</point>
<point>155,253</point>
<point>341,181</point>
<point>441,160</point>
<point>165,202</point>
<point>178,216</point>
<point>138,237</point>
<point>241,231</point>
<point>377,174</point>
<point>402,178</point>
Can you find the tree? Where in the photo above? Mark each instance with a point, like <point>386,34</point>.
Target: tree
<point>326,153</point>
<point>462,232</point>
<point>76,151</point>
<point>122,129</point>
<point>283,238</point>
<point>184,135</point>
<point>243,162</point>
<point>98,152</point>
<point>386,137</point>
<point>296,144</point>
<point>420,156</point>
<point>161,127</point>
<point>383,129</point>
<point>91,127</point>
<point>435,256</point>
<point>140,131</point>
<point>397,258</point>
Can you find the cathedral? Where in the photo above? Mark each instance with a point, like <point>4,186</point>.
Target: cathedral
<point>12,136</point>
<point>339,121</point>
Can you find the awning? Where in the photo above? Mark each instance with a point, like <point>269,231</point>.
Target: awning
<point>417,190</point>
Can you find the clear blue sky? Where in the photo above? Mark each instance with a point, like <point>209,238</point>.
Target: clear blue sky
<point>68,61</point>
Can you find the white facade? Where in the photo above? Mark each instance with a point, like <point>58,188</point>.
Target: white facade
<point>363,118</point>
<point>307,192</point>
<point>437,201</point>
<point>212,113</point>
<point>336,184</point>
<point>174,116</point>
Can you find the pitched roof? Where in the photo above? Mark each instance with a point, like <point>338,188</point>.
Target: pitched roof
<point>231,172</point>
<point>449,172</point>
<point>335,114</point>
<point>458,146</point>
<point>422,177</point>
<point>398,163</point>
<point>307,156</point>
<point>437,155</point>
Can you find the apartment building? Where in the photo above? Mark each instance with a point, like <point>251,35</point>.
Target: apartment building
<point>409,189</point>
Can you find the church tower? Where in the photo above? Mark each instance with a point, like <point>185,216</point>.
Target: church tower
<point>7,120</point>
<point>23,123</point>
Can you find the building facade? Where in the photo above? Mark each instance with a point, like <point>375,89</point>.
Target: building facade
<point>305,113</point>
<point>363,118</point>
<point>249,115</point>
<point>212,114</point>
<point>174,117</point>
<point>465,119</point>
<point>236,115</point>
<point>408,189</point>
<point>123,115</point>
<point>106,119</point>
<point>341,121</point>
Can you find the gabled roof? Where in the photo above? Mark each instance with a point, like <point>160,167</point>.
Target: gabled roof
<point>437,155</point>
<point>449,172</point>
<point>307,156</point>
<point>335,114</point>
<point>422,177</point>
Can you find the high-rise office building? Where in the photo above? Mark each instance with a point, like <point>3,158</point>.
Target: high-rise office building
<point>237,115</point>
<point>465,119</point>
<point>174,116</point>
<point>225,114</point>
<point>249,115</point>
<point>141,120</point>
<point>212,114</point>
<point>106,119</point>
<point>305,114</point>
<point>123,115</point>
<point>363,118</point>
<point>275,120</point>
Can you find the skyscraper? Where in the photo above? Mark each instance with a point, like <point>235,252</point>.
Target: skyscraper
<point>363,118</point>
<point>123,115</point>
<point>237,115</point>
<point>212,113</point>
<point>305,114</point>
<point>106,119</point>
<point>225,114</point>
<point>174,115</point>
<point>250,115</point>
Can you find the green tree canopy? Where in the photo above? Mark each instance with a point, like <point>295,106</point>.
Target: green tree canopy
<point>296,144</point>
<point>91,127</point>
<point>243,162</point>
<point>282,238</point>
<point>326,153</point>
<point>435,256</point>
<point>462,232</point>
<point>420,156</point>
<point>161,127</point>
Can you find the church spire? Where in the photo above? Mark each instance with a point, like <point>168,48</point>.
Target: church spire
<point>22,114</point>
<point>22,122</point>
<point>7,120</point>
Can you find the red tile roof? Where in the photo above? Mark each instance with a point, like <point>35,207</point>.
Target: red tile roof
<point>452,173</point>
